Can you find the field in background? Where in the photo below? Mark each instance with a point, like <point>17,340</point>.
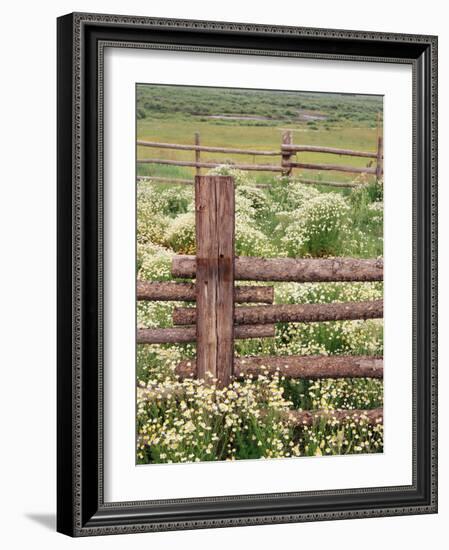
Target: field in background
<point>254,120</point>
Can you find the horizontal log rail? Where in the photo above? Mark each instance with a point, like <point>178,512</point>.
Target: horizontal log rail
<point>184,181</point>
<point>182,335</point>
<point>287,152</point>
<point>291,269</point>
<point>329,150</point>
<point>191,164</point>
<point>292,313</point>
<point>170,291</point>
<point>208,149</point>
<point>328,183</point>
<point>164,180</point>
<point>372,417</point>
<point>299,366</point>
<point>263,167</point>
<point>238,151</point>
<point>333,167</point>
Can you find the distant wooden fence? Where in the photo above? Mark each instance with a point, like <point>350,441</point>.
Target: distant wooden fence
<point>288,153</point>
<point>215,322</point>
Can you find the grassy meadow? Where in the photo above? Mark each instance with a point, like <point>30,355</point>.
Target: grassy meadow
<point>188,420</point>
<point>166,114</point>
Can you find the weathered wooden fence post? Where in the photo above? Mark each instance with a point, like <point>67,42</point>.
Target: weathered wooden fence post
<point>197,153</point>
<point>215,213</point>
<point>286,155</point>
<point>379,159</point>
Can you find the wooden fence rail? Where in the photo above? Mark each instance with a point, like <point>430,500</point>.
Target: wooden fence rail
<point>184,181</point>
<point>320,182</point>
<point>299,366</point>
<point>298,270</point>
<point>195,164</point>
<point>328,150</point>
<point>182,335</point>
<point>292,313</point>
<point>186,292</point>
<point>334,167</point>
<point>165,180</point>
<point>287,152</point>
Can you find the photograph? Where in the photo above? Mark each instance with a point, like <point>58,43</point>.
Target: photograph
<point>247,274</point>
<point>259,274</point>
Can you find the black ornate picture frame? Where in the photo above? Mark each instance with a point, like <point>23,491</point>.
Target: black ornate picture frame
<point>81,509</point>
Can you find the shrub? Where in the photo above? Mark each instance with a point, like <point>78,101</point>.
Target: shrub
<point>255,198</point>
<point>154,314</point>
<point>287,194</point>
<point>181,234</point>
<point>366,191</point>
<point>298,194</point>
<point>166,200</point>
<point>153,262</point>
<point>154,209</point>
<point>250,241</point>
<point>151,227</point>
<point>244,209</point>
<point>158,362</point>
<point>320,227</point>
<point>366,202</point>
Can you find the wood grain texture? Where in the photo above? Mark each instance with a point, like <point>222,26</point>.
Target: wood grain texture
<point>293,313</point>
<point>334,167</point>
<point>380,152</point>
<point>225,204</point>
<point>157,179</point>
<point>180,335</point>
<point>197,153</point>
<point>348,184</point>
<point>214,208</point>
<point>287,139</point>
<point>328,150</point>
<point>300,270</point>
<point>185,292</point>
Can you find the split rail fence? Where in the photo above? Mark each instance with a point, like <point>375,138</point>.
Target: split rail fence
<point>288,153</point>
<point>215,322</point>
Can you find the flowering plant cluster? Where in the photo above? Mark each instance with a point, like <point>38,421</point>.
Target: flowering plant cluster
<point>193,420</point>
<point>319,228</point>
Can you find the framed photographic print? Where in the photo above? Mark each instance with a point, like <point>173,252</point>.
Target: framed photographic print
<point>246,274</point>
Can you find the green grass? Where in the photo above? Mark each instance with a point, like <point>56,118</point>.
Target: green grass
<point>262,106</point>
<point>268,139</point>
